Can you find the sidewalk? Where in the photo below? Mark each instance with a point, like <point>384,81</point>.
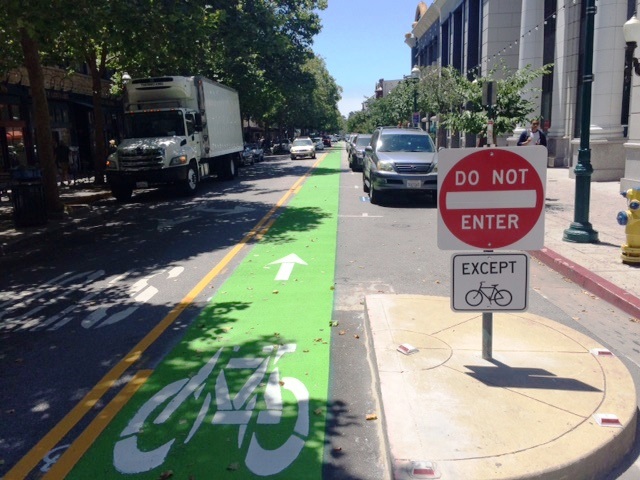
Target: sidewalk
<point>77,198</point>
<point>596,267</point>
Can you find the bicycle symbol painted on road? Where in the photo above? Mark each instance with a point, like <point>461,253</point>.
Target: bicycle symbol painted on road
<point>238,409</point>
<point>475,297</point>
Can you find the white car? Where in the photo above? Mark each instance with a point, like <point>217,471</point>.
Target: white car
<point>303,147</point>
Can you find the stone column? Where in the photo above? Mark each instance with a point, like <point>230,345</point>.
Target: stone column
<point>565,75</point>
<point>531,36</point>
<point>530,47</point>
<point>631,177</point>
<point>607,151</point>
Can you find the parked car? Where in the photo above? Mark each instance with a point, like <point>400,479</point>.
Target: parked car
<point>399,159</point>
<point>247,156</point>
<point>356,159</point>
<point>281,147</point>
<point>303,147</point>
<point>318,143</point>
<point>257,151</point>
<point>349,143</point>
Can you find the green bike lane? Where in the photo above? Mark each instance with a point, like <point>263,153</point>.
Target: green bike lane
<point>244,394</point>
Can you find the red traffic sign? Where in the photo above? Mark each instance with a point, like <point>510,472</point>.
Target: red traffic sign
<point>491,198</point>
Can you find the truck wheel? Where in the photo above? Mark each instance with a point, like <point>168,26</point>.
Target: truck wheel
<point>122,193</point>
<point>190,184</point>
<point>228,169</point>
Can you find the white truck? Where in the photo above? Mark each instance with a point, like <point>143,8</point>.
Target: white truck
<point>178,130</point>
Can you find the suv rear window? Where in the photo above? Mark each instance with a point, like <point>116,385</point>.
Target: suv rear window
<point>363,141</point>
<point>405,143</point>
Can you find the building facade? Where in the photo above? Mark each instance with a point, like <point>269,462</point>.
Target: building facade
<point>474,36</point>
<point>71,112</point>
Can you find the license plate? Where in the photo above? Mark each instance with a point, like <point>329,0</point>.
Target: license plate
<point>414,183</point>
<point>142,184</point>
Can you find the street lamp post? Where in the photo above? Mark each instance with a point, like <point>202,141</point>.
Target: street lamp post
<point>580,230</point>
<point>415,78</point>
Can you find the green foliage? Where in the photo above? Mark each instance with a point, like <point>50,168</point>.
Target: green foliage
<point>515,101</point>
<point>260,47</point>
<point>456,100</point>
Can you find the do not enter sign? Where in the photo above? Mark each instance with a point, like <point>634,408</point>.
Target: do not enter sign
<point>491,198</point>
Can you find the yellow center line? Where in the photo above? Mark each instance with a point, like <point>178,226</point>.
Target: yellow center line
<point>80,446</point>
<point>27,463</point>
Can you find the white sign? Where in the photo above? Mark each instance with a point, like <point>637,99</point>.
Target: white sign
<point>491,198</point>
<point>490,282</point>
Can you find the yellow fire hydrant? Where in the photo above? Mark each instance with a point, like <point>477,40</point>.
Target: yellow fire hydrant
<point>631,220</point>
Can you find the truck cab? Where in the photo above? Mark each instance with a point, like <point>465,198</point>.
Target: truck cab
<point>178,130</point>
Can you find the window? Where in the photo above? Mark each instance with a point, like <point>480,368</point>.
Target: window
<point>191,124</point>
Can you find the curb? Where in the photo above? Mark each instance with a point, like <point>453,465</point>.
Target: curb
<point>86,198</point>
<point>597,285</point>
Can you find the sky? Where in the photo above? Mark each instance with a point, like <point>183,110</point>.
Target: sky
<point>361,42</point>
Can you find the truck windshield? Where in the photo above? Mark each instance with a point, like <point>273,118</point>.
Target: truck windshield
<point>154,124</point>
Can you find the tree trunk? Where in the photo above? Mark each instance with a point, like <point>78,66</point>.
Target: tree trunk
<point>98,122</point>
<point>44,140</point>
<point>442,136</point>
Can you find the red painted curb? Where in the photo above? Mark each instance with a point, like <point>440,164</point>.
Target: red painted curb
<point>597,285</point>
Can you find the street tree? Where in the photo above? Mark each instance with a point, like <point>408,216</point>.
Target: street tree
<point>515,101</point>
<point>260,48</point>
<point>324,97</point>
<point>441,92</point>
<point>107,36</point>
<point>25,27</point>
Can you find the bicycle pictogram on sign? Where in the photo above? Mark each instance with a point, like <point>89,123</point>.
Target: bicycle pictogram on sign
<point>491,293</point>
<point>490,282</point>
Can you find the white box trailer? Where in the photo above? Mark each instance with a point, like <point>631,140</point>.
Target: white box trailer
<point>178,130</point>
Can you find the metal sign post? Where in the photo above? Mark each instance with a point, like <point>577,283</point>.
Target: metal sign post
<point>489,282</point>
<point>487,331</point>
<point>487,335</point>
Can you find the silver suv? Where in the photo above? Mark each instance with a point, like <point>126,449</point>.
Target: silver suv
<point>356,158</point>
<point>401,159</point>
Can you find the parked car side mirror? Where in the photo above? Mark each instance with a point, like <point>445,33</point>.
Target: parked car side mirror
<point>368,149</point>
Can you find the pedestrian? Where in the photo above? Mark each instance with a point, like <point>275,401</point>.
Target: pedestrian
<point>61,152</point>
<point>533,136</point>
<point>113,147</point>
<point>74,164</point>
<point>482,139</point>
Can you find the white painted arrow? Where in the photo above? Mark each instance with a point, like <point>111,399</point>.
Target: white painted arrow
<point>286,266</point>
